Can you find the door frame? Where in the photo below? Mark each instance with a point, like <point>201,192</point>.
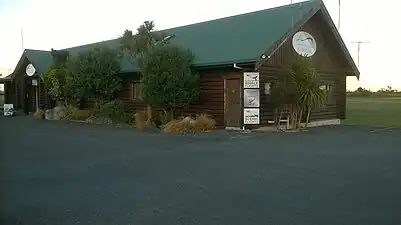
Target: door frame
<point>241,113</point>
<point>31,95</point>
<point>27,96</point>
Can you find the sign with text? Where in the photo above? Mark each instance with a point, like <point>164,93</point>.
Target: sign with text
<point>251,98</point>
<point>251,116</point>
<point>251,79</point>
<point>8,109</point>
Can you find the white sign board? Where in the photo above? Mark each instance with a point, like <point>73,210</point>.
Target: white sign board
<point>251,80</point>
<point>251,98</point>
<point>30,70</point>
<point>8,109</point>
<point>251,116</point>
<point>34,82</point>
<point>304,44</point>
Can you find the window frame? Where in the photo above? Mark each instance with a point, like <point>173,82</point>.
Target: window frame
<point>328,87</point>
<point>267,87</point>
<point>134,91</point>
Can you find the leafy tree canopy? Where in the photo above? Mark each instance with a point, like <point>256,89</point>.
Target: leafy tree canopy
<point>55,78</point>
<point>60,57</point>
<point>298,91</point>
<point>136,45</point>
<point>169,82</point>
<point>94,74</point>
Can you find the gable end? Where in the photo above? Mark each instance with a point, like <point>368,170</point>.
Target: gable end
<point>322,14</point>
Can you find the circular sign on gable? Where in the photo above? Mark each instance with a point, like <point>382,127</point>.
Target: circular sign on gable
<point>304,44</point>
<point>30,70</point>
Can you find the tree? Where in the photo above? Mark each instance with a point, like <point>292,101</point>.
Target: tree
<point>308,87</point>
<point>136,46</point>
<point>388,89</point>
<point>56,79</point>
<point>94,75</point>
<point>297,91</point>
<point>169,82</point>
<point>360,89</point>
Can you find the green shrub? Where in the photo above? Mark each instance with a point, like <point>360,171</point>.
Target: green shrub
<point>67,112</point>
<point>129,117</point>
<point>113,110</point>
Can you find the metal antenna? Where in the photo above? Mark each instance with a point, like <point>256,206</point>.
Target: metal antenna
<point>292,18</point>
<point>359,47</point>
<point>339,13</point>
<point>300,11</point>
<point>22,39</point>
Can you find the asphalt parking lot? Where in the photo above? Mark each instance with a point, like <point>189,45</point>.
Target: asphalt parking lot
<point>68,173</point>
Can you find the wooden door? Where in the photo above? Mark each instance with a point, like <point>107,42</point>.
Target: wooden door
<point>30,97</point>
<point>25,96</point>
<point>232,102</point>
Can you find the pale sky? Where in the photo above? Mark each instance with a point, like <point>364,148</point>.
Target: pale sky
<point>60,24</point>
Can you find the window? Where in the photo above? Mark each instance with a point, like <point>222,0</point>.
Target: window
<point>327,88</point>
<point>136,92</point>
<point>267,88</point>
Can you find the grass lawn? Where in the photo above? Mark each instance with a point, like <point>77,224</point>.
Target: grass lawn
<point>374,111</point>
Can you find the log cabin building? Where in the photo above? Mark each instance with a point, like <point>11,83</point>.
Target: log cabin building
<point>262,41</point>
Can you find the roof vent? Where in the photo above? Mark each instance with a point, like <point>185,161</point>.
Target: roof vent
<point>167,38</point>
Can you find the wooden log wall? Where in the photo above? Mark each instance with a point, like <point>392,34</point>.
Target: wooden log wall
<point>43,98</point>
<point>9,92</point>
<point>329,62</point>
<point>19,93</point>
<point>31,92</point>
<point>211,99</point>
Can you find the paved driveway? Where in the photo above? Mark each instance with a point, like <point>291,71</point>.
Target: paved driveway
<point>58,173</point>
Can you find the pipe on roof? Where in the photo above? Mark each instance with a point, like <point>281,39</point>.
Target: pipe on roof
<point>237,67</point>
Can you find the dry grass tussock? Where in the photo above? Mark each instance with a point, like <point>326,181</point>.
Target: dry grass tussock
<point>201,123</point>
<point>81,114</point>
<point>39,115</point>
<point>141,119</point>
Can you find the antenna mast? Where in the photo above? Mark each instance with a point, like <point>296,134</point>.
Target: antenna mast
<point>22,39</point>
<point>339,13</point>
<point>359,47</point>
<point>292,19</point>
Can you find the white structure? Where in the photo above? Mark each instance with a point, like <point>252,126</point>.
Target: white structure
<point>4,72</point>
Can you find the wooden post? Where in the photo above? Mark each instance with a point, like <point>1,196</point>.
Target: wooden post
<point>37,98</point>
<point>5,84</point>
<point>242,99</point>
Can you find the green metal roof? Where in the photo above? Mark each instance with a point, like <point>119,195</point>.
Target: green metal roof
<point>234,39</point>
<point>41,60</point>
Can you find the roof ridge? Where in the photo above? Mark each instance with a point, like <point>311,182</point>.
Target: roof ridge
<point>92,43</point>
<point>35,50</point>
<point>243,14</point>
<point>212,41</point>
<point>204,22</point>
